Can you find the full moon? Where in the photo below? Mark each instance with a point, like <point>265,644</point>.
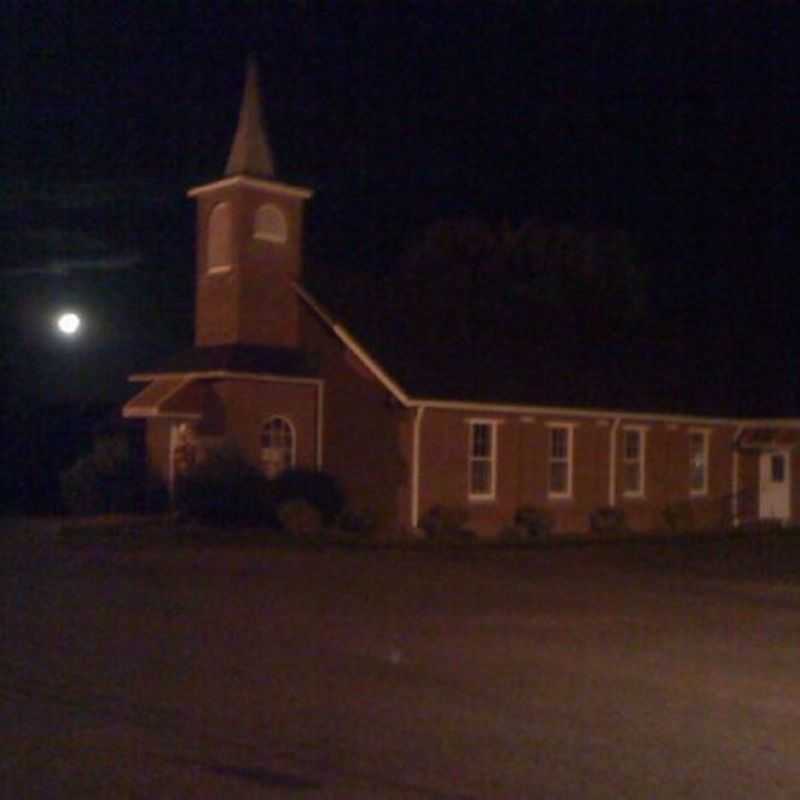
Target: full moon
<point>68,323</point>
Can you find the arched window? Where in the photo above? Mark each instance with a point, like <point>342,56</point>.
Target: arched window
<point>277,446</point>
<point>220,238</point>
<point>270,224</point>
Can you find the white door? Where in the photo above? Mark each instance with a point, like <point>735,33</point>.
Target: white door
<point>773,496</point>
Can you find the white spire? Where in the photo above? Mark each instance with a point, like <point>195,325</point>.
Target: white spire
<point>250,153</point>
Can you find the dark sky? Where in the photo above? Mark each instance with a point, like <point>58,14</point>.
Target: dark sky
<point>677,122</point>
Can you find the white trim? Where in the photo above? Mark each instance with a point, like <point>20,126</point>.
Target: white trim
<point>370,363</point>
<point>582,413</point>
<point>785,453</point>
<point>705,433</point>
<point>415,464</point>
<point>171,465</point>
<point>569,427</point>
<point>153,410</point>
<point>641,460</point>
<point>219,243</point>
<point>735,478</point>
<point>320,421</point>
<point>152,413</point>
<point>612,463</point>
<point>277,217</point>
<point>251,183</point>
<point>513,408</point>
<point>492,425</point>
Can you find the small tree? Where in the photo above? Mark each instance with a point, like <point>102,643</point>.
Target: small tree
<point>318,489</point>
<point>108,480</point>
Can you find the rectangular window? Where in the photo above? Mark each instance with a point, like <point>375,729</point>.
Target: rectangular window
<point>482,459</point>
<point>633,462</point>
<point>698,462</point>
<point>560,462</point>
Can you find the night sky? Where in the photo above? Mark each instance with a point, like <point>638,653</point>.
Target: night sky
<point>676,122</point>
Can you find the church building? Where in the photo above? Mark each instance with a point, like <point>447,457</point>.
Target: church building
<point>275,372</point>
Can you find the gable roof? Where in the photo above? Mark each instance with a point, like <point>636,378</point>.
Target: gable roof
<point>646,376</point>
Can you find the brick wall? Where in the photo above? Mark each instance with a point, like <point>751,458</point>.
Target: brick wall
<point>253,302</point>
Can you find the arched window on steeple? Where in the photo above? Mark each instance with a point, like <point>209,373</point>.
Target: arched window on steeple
<point>220,238</point>
<point>270,224</point>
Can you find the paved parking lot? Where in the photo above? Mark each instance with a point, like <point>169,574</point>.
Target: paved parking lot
<point>563,673</point>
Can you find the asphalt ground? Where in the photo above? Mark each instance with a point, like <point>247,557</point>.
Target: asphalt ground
<point>632,670</point>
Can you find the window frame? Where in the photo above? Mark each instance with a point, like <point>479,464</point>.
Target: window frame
<point>219,238</point>
<point>491,425</point>
<point>640,460</point>
<point>567,458</point>
<point>292,446</point>
<point>269,224</point>
<point>705,436</point>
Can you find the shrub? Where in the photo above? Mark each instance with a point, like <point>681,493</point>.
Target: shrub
<point>440,522</point>
<point>319,489</point>
<point>299,518</point>
<point>512,534</point>
<point>359,522</point>
<point>678,517</point>
<point>534,521</point>
<point>224,488</point>
<point>108,480</point>
<point>607,519</point>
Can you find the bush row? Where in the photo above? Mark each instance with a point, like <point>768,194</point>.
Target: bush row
<point>450,523</point>
<point>224,489</point>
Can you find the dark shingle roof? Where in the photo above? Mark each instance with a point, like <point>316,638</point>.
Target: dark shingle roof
<point>237,358</point>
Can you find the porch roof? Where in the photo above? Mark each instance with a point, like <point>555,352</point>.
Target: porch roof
<point>178,398</point>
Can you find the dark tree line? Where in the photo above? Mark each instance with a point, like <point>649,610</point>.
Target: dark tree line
<point>477,280</point>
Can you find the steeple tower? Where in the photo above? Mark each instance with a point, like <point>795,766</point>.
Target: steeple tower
<point>249,242</point>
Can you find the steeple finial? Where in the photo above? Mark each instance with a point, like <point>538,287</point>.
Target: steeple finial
<point>250,153</point>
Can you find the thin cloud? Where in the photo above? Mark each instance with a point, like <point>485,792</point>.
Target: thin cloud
<point>63,266</point>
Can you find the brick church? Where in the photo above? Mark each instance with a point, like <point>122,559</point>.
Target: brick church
<point>274,372</point>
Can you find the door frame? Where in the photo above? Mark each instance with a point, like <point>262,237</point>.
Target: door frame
<point>765,461</point>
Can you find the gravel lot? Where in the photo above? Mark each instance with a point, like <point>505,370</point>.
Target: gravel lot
<point>628,670</point>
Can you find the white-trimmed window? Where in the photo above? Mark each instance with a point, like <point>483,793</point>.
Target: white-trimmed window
<point>482,459</point>
<point>277,446</point>
<point>698,462</point>
<point>633,453</point>
<point>220,238</point>
<point>559,466</point>
<point>270,224</point>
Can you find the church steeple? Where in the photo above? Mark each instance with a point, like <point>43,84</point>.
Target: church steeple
<point>250,153</point>
<point>249,242</point>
